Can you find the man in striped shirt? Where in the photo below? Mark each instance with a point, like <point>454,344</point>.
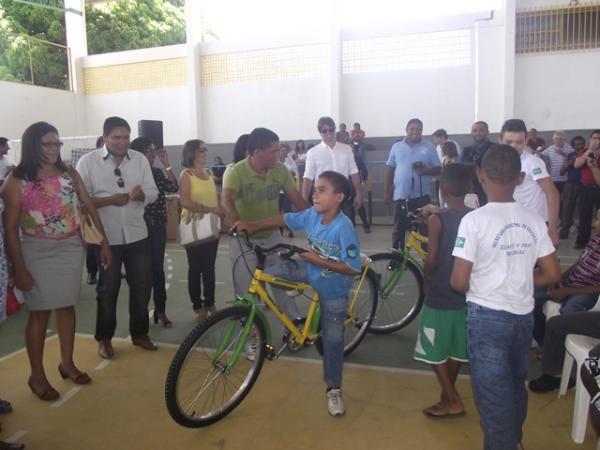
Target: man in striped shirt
<point>556,154</point>
<point>577,291</point>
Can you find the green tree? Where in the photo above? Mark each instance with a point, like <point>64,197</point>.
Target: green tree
<point>132,24</point>
<point>23,28</point>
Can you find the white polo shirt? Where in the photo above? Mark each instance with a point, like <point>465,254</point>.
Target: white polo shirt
<point>122,224</point>
<point>529,193</point>
<point>322,157</point>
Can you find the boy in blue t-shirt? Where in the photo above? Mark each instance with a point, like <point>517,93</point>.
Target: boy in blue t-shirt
<point>332,260</point>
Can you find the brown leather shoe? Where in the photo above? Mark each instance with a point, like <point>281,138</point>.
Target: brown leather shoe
<point>144,342</point>
<point>105,349</point>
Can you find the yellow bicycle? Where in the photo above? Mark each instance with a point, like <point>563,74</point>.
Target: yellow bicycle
<point>218,363</point>
<point>400,283</point>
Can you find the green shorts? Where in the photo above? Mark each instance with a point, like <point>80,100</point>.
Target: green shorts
<point>442,335</point>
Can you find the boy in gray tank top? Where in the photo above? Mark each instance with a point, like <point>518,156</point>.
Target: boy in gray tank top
<point>441,341</point>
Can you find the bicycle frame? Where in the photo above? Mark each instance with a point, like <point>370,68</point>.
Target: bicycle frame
<point>415,239</point>
<point>310,328</point>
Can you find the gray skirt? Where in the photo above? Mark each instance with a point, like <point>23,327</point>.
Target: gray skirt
<point>56,267</point>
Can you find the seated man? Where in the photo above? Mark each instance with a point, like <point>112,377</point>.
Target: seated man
<point>578,289</point>
<point>585,323</point>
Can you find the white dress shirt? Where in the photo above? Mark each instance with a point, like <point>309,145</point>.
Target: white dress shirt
<point>122,224</point>
<point>322,157</point>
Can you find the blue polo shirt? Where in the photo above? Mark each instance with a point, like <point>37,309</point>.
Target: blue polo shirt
<point>336,240</point>
<point>402,157</point>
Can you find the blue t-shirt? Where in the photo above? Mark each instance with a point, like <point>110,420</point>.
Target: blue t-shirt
<point>403,157</point>
<point>336,241</point>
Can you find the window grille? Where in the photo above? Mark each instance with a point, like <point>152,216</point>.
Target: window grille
<point>557,29</point>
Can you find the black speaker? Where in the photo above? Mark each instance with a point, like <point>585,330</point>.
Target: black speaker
<point>153,130</point>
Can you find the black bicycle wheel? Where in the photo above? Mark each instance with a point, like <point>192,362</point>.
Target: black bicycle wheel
<point>400,293</point>
<point>359,316</point>
<point>200,387</point>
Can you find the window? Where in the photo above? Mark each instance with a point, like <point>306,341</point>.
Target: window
<point>548,30</point>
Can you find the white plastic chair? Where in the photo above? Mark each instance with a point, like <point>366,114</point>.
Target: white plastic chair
<point>577,348</point>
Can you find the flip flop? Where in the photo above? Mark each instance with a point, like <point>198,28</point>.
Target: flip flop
<point>5,406</point>
<point>437,411</point>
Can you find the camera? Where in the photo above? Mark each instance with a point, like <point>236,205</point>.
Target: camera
<point>419,165</point>
<point>592,156</point>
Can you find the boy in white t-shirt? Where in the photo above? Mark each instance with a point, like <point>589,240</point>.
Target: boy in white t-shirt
<point>495,252</point>
<point>537,191</point>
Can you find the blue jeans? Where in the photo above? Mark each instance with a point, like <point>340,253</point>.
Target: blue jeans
<point>333,313</point>
<point>498,345</point>
<point>572,304</point>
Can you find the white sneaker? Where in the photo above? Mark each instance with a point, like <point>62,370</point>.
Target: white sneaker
<point>251,351</point>
<point>293,293</point>
<point>335,402</point>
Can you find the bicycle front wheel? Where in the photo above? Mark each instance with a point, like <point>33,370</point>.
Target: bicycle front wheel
<point>400,292</point>
<point>360,314</point>
<point>214,368</point>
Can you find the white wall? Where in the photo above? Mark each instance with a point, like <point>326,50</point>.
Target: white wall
<point>559,90</point>
<point>168,105</point>
<point>24,104</point>
<point>290,107</point>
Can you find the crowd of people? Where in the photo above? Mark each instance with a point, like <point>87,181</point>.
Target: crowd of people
<point>503,210</point>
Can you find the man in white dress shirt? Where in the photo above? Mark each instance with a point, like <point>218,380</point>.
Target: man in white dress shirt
<point>332,155</point>
<point>120,183</point>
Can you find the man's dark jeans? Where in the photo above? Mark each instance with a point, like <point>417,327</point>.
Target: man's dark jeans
<point>498,346</point>
<point>589,197</point>
<point>401,221</point>
<point>138,265</point>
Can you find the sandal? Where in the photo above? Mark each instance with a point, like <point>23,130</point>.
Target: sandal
<point>81,378</point>
<point>438,411</point>
<point>49,394</point>
<point>5,406</point>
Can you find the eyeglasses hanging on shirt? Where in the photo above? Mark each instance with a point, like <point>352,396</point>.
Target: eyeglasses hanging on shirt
<point>120,181</point>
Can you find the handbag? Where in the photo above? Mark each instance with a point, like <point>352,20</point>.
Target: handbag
<point>198,228</point>
<point>12,304</point>
<point>87,228</point>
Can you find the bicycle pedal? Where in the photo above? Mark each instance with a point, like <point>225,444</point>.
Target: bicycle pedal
<point>270,353</point>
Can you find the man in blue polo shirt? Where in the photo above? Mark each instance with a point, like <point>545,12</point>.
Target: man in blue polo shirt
<point>408,172</point>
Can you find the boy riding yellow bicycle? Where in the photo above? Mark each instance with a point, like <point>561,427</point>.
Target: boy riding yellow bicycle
<point>329,266</point>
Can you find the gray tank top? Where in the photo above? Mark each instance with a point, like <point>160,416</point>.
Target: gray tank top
<point>440,295</point>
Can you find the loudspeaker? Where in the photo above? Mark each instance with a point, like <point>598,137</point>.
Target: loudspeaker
<point>153,130</point>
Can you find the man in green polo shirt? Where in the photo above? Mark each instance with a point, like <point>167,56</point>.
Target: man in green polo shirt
<point>250,193</point>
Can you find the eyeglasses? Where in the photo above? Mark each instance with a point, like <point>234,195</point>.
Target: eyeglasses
<point>120,181</point>
<point>327,130</point>
<point>55,144</point>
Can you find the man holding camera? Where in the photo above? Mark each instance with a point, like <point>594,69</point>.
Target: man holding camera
<point>408,172</point>
<point>589,191</point>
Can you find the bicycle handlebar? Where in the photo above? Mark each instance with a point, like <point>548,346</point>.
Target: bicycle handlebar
<point>291,249</point>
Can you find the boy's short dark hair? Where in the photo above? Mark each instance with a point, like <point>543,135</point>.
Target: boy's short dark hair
<point>261,138</point>
<point>440,133</point>
<point>3,141</point>
<point>114,122</point>
<point>577,138</point>
<point>325,120</point>
<point>502,164</point>
<point>456,178</point>
<point>513,126</point>
<point>338,181</point>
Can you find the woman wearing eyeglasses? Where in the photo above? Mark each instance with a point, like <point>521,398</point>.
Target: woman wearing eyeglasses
<point>45,249</point>
<point>198,194</point>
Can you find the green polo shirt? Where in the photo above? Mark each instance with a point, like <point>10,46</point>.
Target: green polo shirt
<point>257,197</point>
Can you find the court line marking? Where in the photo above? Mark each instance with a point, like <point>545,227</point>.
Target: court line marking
<point>21,350</point>
<point>103,364</point>
<point>15,437</point>
<point>66,397</point>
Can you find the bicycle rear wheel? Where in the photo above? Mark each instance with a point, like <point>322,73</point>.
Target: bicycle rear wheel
<point>400,292</point>
<point>359,315</point>
<point>204,382</point>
